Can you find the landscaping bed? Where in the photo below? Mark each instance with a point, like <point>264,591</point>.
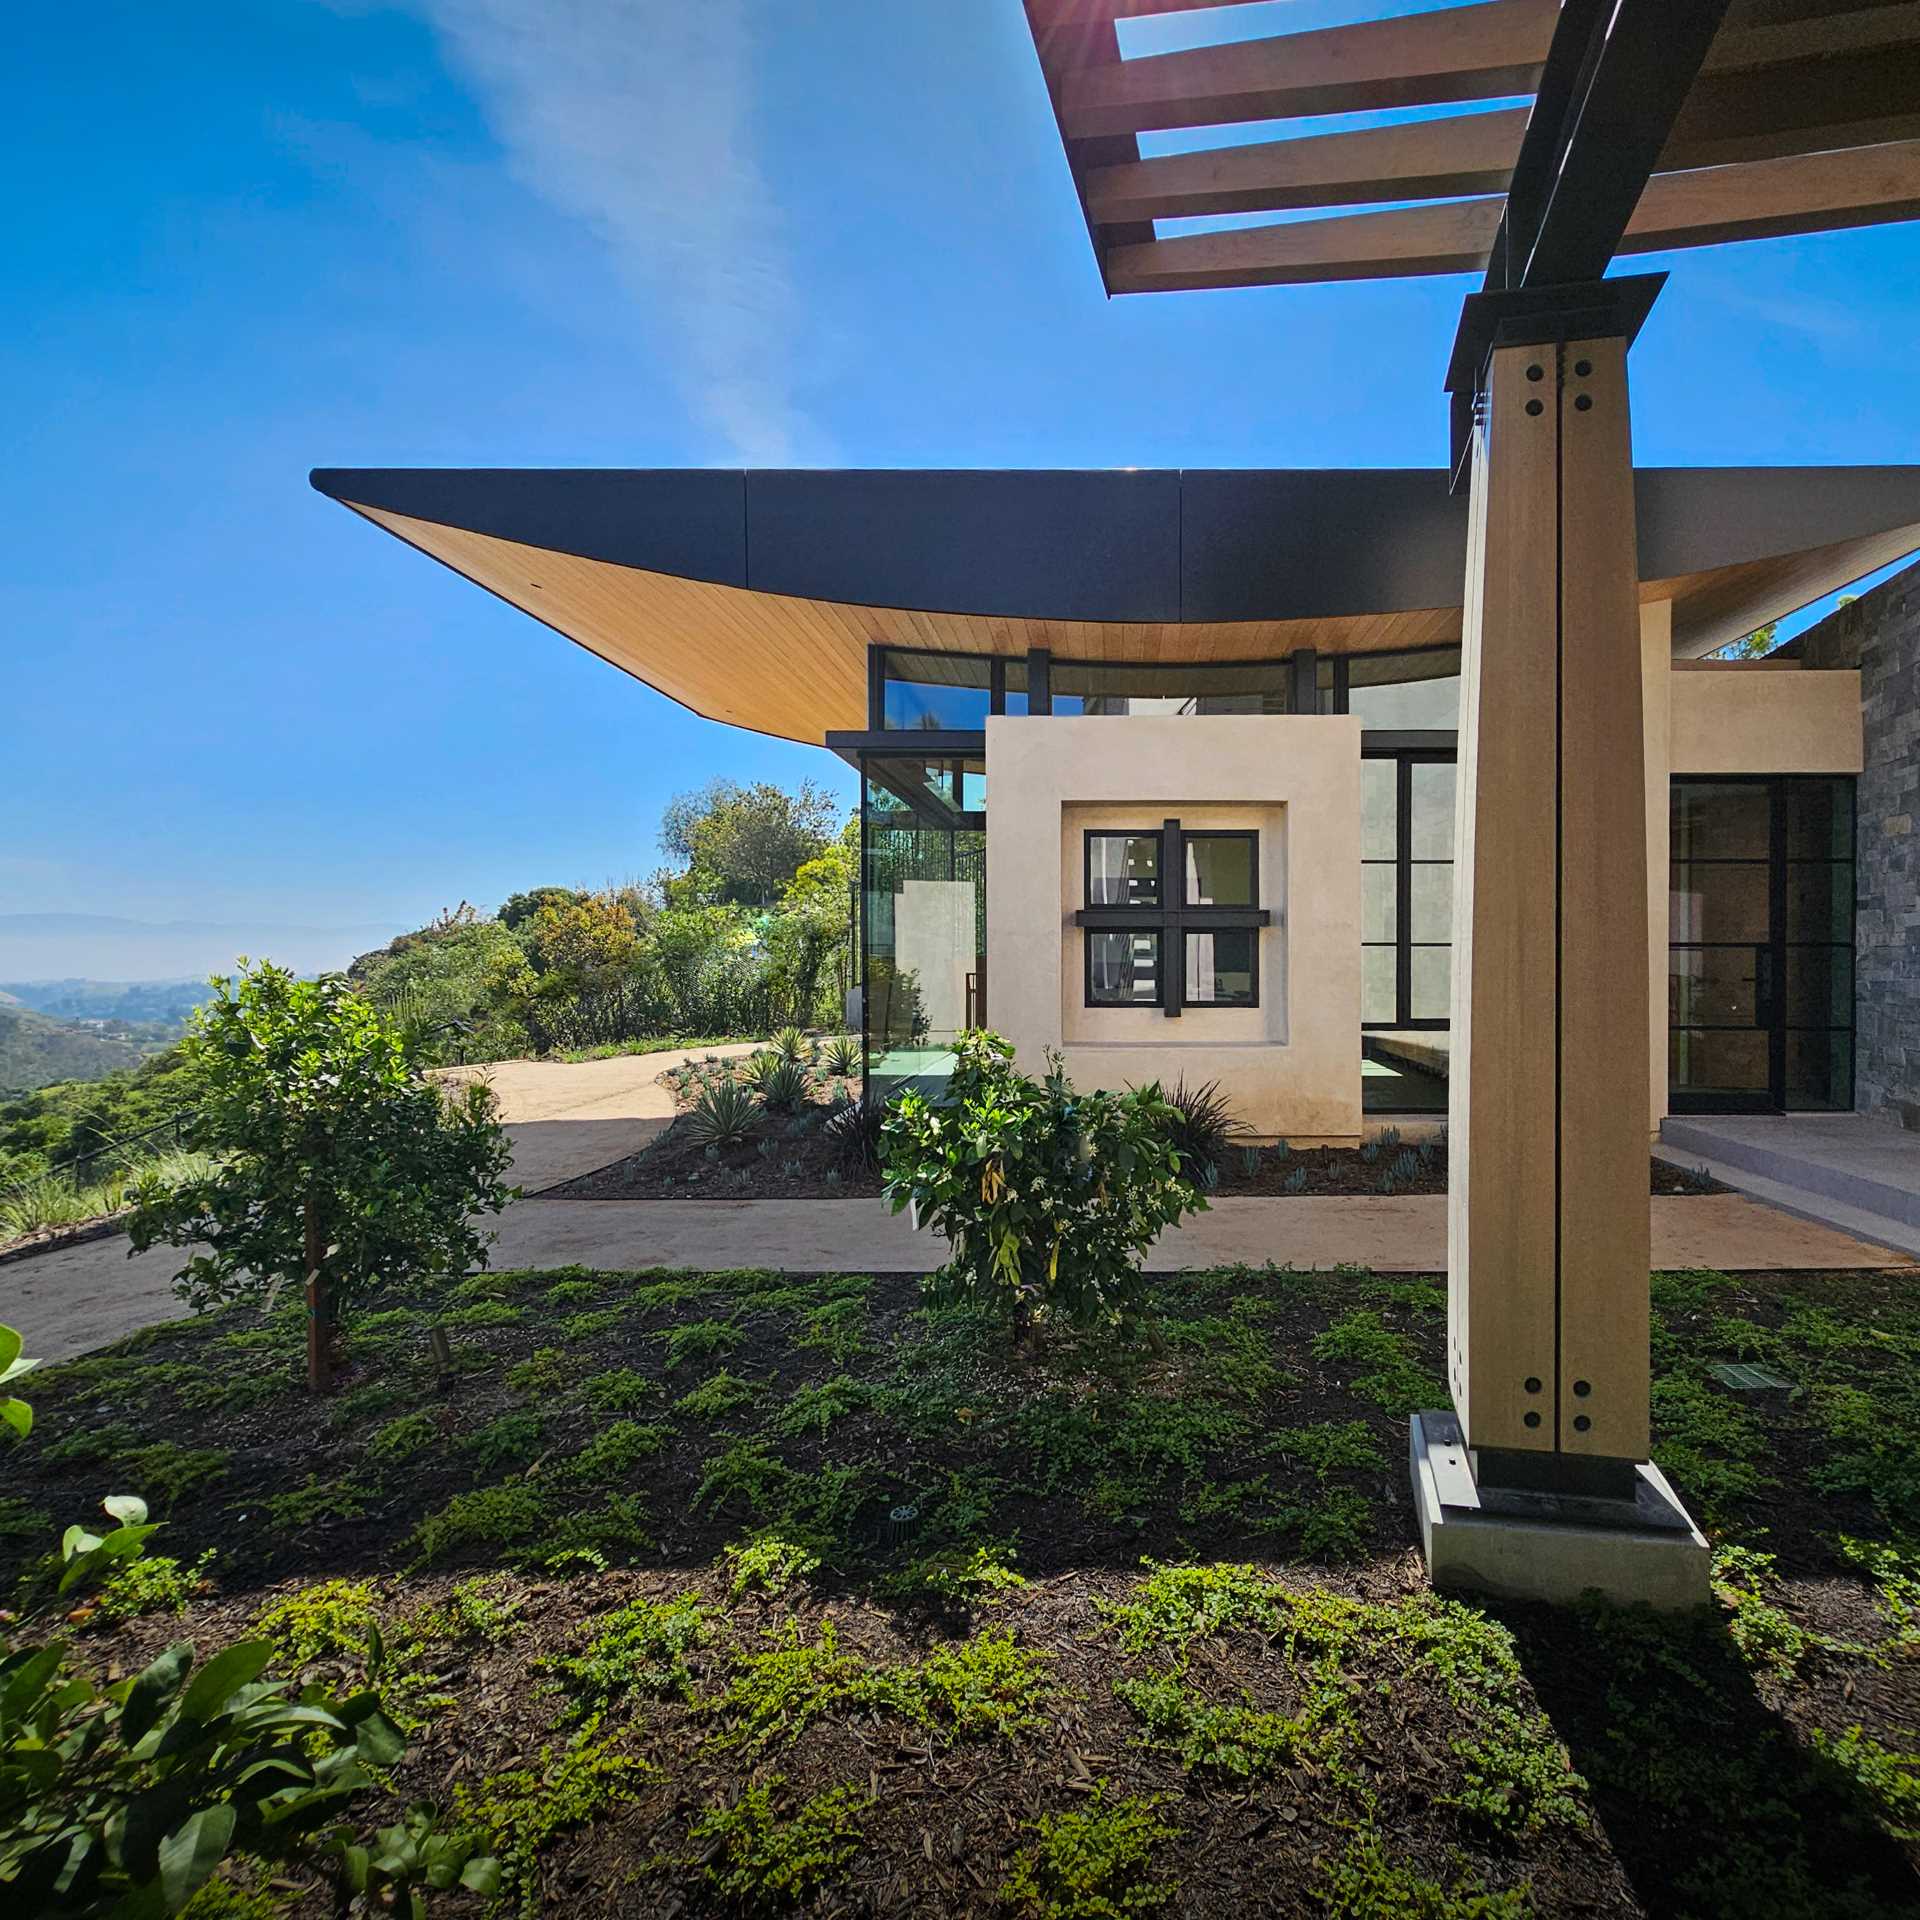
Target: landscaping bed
<point>660,1625</point>
<point>792,1153</point>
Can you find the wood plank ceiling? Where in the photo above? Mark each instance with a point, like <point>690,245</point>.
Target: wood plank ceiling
<point>1805,116</point>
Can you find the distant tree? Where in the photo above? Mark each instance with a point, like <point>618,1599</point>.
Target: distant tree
<point>591,934</point>
<point>337,1163</point>
<point>751,840</point>
<point>1750,646</point>
<point>522,907</point>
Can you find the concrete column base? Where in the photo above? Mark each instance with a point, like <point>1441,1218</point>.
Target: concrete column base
<point>1555,1547</point>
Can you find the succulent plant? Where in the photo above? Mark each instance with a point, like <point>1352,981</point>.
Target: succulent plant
<point>723,1116</point>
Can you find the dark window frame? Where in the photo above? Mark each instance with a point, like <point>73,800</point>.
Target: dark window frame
<point>1251,834</point>
<point>1771,1007</point>
<point>1403,759</point>
<point>1173,919</point>
<point>1159,972</point>
<point>1300,670</point>
<point>1120,833</point>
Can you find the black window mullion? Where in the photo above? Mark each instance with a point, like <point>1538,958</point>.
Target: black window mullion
<point>1403,891</point>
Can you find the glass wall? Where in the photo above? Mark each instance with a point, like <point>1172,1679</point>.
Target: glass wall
<point>924,918</point>
<point>921,690</point>
<point>1405,692</point>
<point>1110,688</point>
<point>948,692</point>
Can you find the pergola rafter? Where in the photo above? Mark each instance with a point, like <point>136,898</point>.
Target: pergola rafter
<point>1704,123</point>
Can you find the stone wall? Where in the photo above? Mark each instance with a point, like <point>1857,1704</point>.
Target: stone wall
<point>1880,634</point>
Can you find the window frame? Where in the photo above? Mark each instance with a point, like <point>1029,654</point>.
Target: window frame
<point>1158,935</point>
<point>1086,869</point>
<point>1173,919</point>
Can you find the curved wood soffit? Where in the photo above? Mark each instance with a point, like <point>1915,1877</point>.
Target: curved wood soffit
<point>752,599</point>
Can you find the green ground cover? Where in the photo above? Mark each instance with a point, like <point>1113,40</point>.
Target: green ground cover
<point>747,1592</point>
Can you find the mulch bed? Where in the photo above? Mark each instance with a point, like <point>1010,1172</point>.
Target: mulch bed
<point>1261,1421</point>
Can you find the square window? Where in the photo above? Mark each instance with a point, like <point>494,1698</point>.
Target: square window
<point>1123,969</point>
<point>1222,968</point>
<point>1123,870</point>
<point>1222,870</point>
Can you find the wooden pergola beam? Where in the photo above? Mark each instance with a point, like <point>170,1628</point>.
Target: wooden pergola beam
<point>1762,199</point>
<point>1862,97</point>
<point>1458,53</point>
<point>1451,236</point>
<point>1466,153</point>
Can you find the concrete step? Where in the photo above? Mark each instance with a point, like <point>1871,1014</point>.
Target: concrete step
<point>1847,1169</point>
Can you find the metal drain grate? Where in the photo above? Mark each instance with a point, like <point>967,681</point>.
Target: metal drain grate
<point>1746,1378</point>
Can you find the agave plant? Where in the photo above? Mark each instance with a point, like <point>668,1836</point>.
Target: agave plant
<point>841,1056</point>
<point>722,1117</point>
<point>791,1044</point>
<point>784,1085</point>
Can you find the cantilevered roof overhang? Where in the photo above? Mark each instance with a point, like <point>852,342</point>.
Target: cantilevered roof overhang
<point>752,597</point>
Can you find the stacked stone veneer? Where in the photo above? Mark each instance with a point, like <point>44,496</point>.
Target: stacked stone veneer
<point>1880,634</point>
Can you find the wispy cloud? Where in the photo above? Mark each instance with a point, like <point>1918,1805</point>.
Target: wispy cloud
<point>636,117</point>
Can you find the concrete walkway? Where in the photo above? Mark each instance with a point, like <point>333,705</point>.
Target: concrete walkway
<point>566,1120</point>
<point>73,1300</point>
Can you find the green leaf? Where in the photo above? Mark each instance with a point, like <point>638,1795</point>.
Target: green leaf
<point>222,1677</point>
<point>18,1415</point>
<point>192,1851</point>
<point>481,1874</point>
<point>26,1682</point>
<point>380,1742</point>
<point>10,1345</point>
<point>128,1508</point>
<point>353,1868</point>
<point>156,1685</point>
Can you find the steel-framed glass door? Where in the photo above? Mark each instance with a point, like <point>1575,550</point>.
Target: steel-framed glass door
<point>1406,924</point>
<point>1760,944</point>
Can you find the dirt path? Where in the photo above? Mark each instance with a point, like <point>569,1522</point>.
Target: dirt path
<point>568,1118</point>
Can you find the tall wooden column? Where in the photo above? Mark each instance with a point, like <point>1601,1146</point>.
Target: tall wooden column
<point>1547,1213</point>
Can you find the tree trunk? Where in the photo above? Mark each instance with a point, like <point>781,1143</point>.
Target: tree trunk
<point>319,1303</point>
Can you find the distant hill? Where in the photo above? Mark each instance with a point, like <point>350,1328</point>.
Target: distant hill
<point>163,1003</point>
<point>98,946</point>
<point>36,1050</point>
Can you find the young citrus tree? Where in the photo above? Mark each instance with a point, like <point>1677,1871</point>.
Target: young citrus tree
<point>337,1163</point>
<point>1048,1198</point>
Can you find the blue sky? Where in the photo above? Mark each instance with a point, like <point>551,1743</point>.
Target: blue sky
<point>253,236</point>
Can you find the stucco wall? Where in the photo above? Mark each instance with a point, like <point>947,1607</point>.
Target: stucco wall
<point>1880,635</point>
<point>1731,717</point>
<point>1291,1066</point>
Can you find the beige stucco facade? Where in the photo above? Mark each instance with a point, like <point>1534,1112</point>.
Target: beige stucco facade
<point>1289,1065</point>
<point>1749,717</point>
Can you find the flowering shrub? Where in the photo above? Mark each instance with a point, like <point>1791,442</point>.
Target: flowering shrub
<point>1048,1198</point>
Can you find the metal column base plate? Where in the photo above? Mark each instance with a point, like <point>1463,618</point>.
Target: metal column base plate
<point>1540,1546</point>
